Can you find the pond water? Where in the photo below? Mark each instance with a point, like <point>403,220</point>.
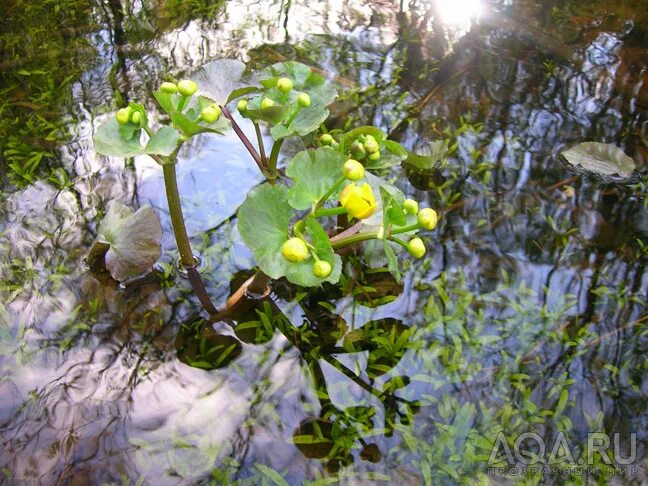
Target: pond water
<point>527,315</point>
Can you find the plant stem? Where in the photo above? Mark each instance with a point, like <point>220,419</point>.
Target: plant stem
<point>248,145</point>
<point>260,142</point>
<point>177,219</point>
<point>398,240</point>
<point>274,157</point>
<point>405,229</point>
<point>329,212</point>
<point>181,237</point>
<point>182,103</point>
<point>351,240</point>
<point>328,193</point>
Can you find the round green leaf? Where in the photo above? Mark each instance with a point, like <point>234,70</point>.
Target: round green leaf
<point>263,222</point>
<point>314,173</point>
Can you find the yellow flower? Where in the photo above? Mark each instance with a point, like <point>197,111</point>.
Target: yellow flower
<point>359,201</point>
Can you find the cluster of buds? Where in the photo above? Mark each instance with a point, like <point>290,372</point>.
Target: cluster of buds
<point>365,146</point>
<point>285,85</point>
<point>426,218</point>
<point>296,250</point>
<point>128,115</point>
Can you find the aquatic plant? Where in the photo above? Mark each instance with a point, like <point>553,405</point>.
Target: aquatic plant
<point>297,222</point>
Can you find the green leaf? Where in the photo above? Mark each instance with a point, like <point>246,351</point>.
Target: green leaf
<point>263,221</point>
<point>307,120</point>
<point>601,158</point>
<point>430,158</point>
<point>108,141</point>
<point>392,261</point>
<point>273,114</point>
<point>191,127</point>
<point>392,204</point>
<point>129,241</point>
<point>163,142</point>
<point>219,78</point>
<point>168,102</point>
<point>314,173</point>
<point>238,93</point>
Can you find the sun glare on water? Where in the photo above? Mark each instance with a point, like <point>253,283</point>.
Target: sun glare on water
<point>458,12</point>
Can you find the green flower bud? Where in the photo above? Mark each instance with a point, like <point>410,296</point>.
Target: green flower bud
<point>285,85</point>
<point>322,269</point>
<point>167,87</point>
<point>375,156</point>
<point>326,139</point>
<point>241,106</point>
<point>416,247</point>
<point>428,218</point>
<point>361,139</point>
<point>353,170</point>
<point>136,117</point>
<point>410,206</point>
<point>266,103</point>
<point>304,100</point>
<point>295,250</point>
<point>123,116</point>
<point>357,151</point>
<point>187,87</point>
<point>370,137</point>
<point>210,113</point>
<point>371,146</point>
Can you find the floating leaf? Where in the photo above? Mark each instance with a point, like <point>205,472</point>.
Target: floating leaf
<point>263,221</point>
<point>130,241</point>
<point>601,158</point>
<point>314,173</point>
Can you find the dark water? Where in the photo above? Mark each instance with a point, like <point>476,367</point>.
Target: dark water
<point>527,316</point>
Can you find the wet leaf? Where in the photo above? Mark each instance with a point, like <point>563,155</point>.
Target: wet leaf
<point>314,173</point>
<point>263,222</point>
<point>600,158</point>
<point>133,239</point>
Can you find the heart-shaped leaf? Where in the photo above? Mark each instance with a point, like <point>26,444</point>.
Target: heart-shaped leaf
<point>263,221</point>
<point>314,173</point>
<point>428,158</point>
<point>130,241</point>
<point>600,158</point>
